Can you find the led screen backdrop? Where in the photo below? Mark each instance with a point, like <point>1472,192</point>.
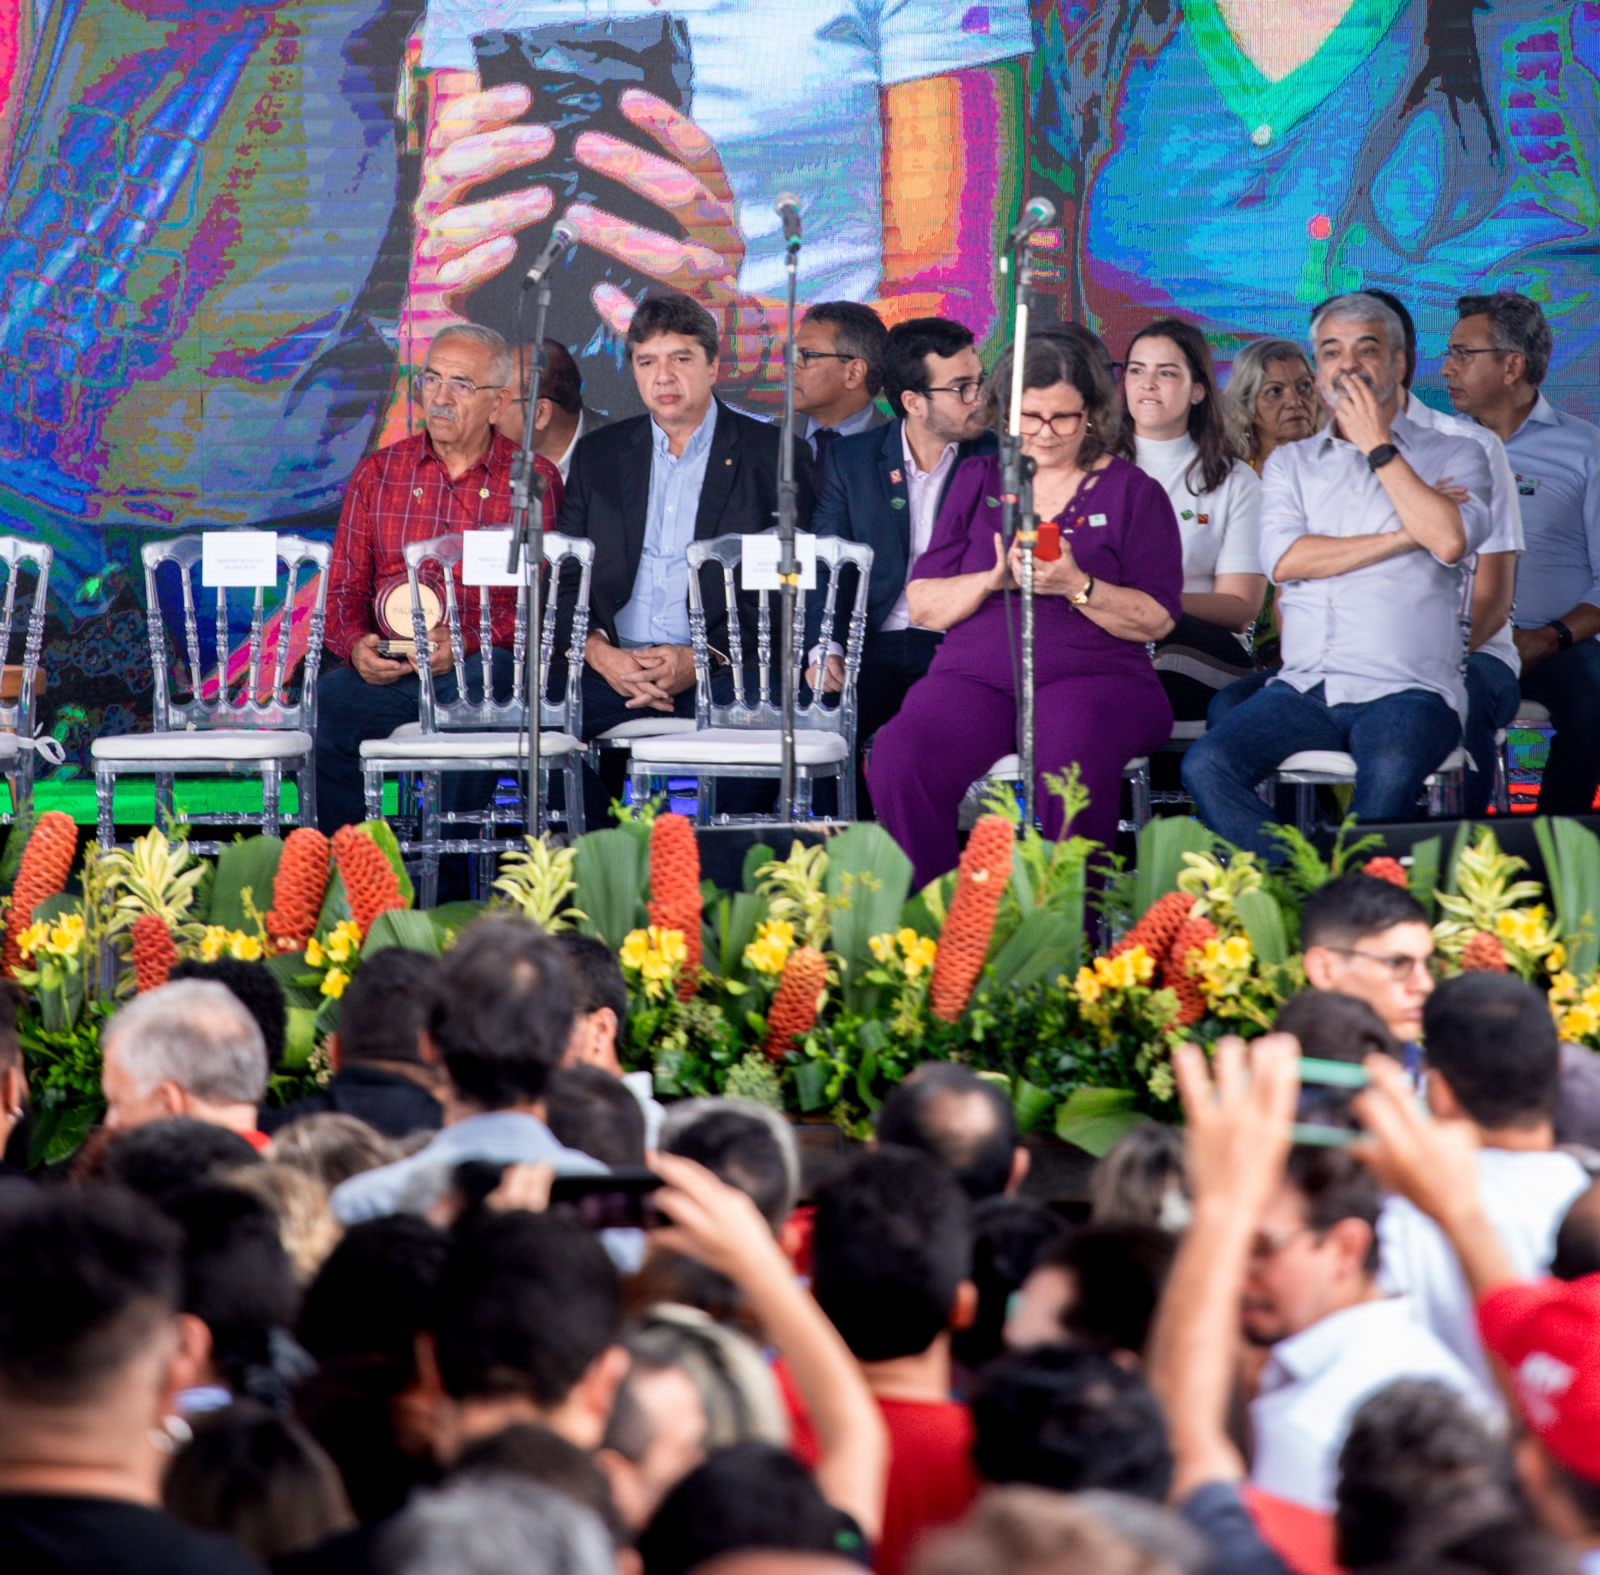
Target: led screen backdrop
<point>228,230</point>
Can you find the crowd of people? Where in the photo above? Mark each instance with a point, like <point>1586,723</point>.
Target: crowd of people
<point>481,1305</point>
<point>1427,572</point>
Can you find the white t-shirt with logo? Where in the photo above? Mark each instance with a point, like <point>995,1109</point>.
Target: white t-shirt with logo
<point>1221,530</point>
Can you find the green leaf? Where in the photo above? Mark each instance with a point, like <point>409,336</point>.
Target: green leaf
<point>1031,1103</point>
<point>1572,872</point>
<point>16,840</point>
<point>402,927</point>
<point>250,865</point>
<point>1263,923</point>
<point>1422,879</point>
<point>733,921</point>
<point>454,917</point>
<point>289,969</point>
<point>869,878</point>
<point>299,1037</point>
<point>1095,1118</point>
<point>811,1085</point>
<point>758,856</point>
<point>1458,845</point>
<point>383,834</point>
<point>1041,947</point>
<point>1162,844</point>
<point>611,870</point>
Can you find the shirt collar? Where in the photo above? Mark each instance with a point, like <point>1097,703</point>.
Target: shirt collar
<point>699,439</point>
<point>1313,1351</point>
<point>491,455</point>
<point>1402,431</point>
<point>859,422</point>
<point>912,468</point>
<point>1543,412</point>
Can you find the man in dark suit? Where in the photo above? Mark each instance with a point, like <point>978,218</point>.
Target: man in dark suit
<point>884,487</point>
<point>838,371</point>
<point>642,490</point>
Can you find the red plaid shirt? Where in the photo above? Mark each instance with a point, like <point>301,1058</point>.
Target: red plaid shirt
<point>403,494</point>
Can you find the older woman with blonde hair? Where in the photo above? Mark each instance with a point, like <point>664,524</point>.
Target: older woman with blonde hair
<point>1271,398</point>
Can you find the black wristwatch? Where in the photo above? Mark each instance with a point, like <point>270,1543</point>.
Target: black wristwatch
<point>1563,634</point>
<point>1380,456</point>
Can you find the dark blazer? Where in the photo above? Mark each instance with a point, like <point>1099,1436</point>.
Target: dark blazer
<point>861,495</point>
<point>607,499</point>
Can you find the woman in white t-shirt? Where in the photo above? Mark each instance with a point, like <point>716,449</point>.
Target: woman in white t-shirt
<point>1179,438</point>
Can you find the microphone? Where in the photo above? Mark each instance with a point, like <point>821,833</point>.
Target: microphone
<point>1039,212</point>
<point>787,207</point>
<point>561,237</point>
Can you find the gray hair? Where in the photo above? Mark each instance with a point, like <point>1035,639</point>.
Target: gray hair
<point>1515,323</point>
<point>1359,307</point>
<point>684,1113</point>
<point>1248,373</point>
<point>195,1033</point>
<point>501,368</point>
<point>489,1524</point>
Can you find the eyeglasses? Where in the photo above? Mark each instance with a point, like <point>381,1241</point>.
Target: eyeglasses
<point>806,357</point>
<point>1400,965</point>
<point>1264,1248</point>
<point>430,382</point>
<point>967,393</point>
<point>1032,423</point>
<point>1460,353</point>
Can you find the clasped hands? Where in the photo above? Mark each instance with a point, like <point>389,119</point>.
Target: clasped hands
<point>649,678</point>
<point>376,669</point>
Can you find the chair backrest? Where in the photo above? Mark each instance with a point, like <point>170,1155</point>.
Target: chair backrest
<point>16,707</point>
<point>255,686</point>
<point>476,705</point>
<point>757,686</point>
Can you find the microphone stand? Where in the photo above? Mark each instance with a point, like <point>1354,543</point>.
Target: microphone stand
<point>527,535</point>
<point>788,561</point>
<point>1016,517</point>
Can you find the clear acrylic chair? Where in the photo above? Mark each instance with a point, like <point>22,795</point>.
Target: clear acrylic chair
<point>231,716</point>
<point>478,731</point>
<point>1008,770</point>
<point>744,738</point>
<point>17,742</point>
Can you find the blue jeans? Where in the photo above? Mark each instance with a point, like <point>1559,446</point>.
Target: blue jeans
<point>1235,695</point>
<point>1492,697</point>
<point>1396,741</point>
<point>1568,686</point>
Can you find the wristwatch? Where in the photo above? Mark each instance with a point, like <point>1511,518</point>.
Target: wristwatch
<point>1563,634</point>
<point>1380,456</point>
<point>1082,597</point>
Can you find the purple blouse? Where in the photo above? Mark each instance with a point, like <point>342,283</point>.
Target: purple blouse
<point>1122,530</point>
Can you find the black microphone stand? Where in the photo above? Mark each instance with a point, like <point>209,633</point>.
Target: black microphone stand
<point>527,536</point>
<point>788,562</point>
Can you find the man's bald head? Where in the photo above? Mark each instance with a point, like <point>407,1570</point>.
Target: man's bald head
<point>960,1118</point>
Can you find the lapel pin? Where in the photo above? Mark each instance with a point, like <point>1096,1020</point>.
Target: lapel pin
<point>896,477</point>
<point>417,494</point>
<point>483,492</point>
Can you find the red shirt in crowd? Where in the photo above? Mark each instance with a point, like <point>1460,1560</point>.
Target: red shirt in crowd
<point>402,494</point>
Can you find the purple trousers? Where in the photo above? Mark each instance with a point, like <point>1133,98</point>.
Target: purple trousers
<point>953,727</point>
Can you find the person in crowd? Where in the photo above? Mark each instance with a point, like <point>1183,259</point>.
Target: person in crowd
<point>1369,557</point>
<point>1009,1237</point>
<point>1098,1286</point>
<point>161,1159</point>
<point>590,1111</point>
<point>500,1016</point>
<point>1370,939</point>
<point>1139,1180</point>
<point>488,1525</point>
<point>559,417</point>
<point>1332,1026</point>
<point>1492,1065</point>
<point>255,986</point>
<point>1497,357</point>
<point>1180,437</point>
<point>1271,398</point>
<point>839,353</point>
<point>299,1204</point>
<point>885,489</point>
<point>892,1256</point>
<point>600,1022</point>
<point>185,1049</point>
<point>964,1120</point>
<point>332,1147</point>
<point>1114,587</point>
<point>657,1431</point>
<point>93,1355</point>
<point>384,1073</point>
<point>258,1478</point>
<point>453,476</point>
<point>1417,1465</point>
<point>642,490</point>
<point>1577,1249</point>
<point>749,1146</point>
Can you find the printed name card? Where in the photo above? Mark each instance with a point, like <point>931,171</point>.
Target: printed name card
<point>231,559</point>
<point>483,558</point>
<point>760,567</point>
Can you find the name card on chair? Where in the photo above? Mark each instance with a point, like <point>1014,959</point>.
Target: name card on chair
<point>759,561</point>
<point>232,559</point>
<point>483,558</point>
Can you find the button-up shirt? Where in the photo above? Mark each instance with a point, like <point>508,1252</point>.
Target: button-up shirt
<point>402,494</point>
<point>1315,1381</point>
<point>658,611</point>
<point>1393,625</point>
<point>924,488</point>
<point>861,421</point>
<point>1556,458</point>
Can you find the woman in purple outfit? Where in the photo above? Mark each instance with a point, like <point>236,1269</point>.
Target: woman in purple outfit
<point>1116,586</point>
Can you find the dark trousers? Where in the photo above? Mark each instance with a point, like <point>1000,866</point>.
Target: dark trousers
<point>1492,696</point>
<point>891,662</point>
<point>1568,686</point>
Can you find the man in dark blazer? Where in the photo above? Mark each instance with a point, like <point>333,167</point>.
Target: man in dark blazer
<point>642,490</point>
<point>883,487</point>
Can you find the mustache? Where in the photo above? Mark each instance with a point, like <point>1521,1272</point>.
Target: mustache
<point>440,413</point>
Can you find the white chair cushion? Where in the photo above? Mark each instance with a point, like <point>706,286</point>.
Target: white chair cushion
<point>1186,732</point>
<point>409,745</point>
<point>1531,714</point>
<point>736,746</point>
<point>225,745</point>
<point>10,748</point>
<point>646,727</point>
<point>1008,768</point>
<point>1312,766</point>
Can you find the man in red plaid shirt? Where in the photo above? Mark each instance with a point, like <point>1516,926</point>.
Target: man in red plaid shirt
<point>453,476</point>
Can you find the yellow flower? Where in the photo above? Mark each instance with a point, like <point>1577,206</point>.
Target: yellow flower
<point>671,945</point>
<point>1591,997</point>
<point>1530,932</point>
<point>1580,1023</point>
<point>344,941</point>
<point>882,947</point>
<point>314,956</point>
<point>33,937</point>
<point>920,955</point>
<point>1506,925</point>
<point>213,943</point>
<point>1564,984</point>
<point>765,956</point>
<point>907,938</point>
<point>1556,958</point>
<point>1087,985</point>
<point>244,948</point>
<point>334,982</point>
<point>1235,952</point>
<point>635,948</point>
<point>655,966</point>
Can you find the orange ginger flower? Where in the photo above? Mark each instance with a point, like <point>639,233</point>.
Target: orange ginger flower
<point>796,1001</point>
<point>46,864</point>
<point>298,889</point>
<point>1483,953</point>
<point>154,951</point>
<point>964,941</point>
<point>1159,927</point>
<point>1391,870</point>
<point>1191,938</point>
<point>369,879</point>
<point>675,891</point>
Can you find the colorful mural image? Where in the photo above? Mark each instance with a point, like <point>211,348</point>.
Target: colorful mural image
<point>228,230</point>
